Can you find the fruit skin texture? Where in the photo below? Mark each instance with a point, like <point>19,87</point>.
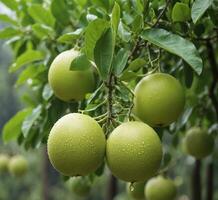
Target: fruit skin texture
<point>138,190</point>
<point>133,152</point>
<point>198,143</point>
<point>18,166</point>
<point>4,161</point>
<point>76,145</point>
<point>80,186</point>
<point>159,99</point>
<point>69,85</point>
<point>160,188</point>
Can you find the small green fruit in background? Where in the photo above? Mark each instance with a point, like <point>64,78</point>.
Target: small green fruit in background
<point>69,85</point>
<point>159,99</point>
<point>136,190</point>
<point>18,166</point>
<point>4,161</point>
<point>80,186</point>
<point>160,188</point>
<point>133,152</point>
<point>198,143</point>
<point>76,145</point>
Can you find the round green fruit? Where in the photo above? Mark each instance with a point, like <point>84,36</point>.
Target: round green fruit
<point>69,85</point>
<point>80,186</point>
<point>76,145</point>
<point>4,161</point>
<point>18,166</point>
<point>159,99</point>
<point>134,152</point>
<point>160,188</point>
<point>136,190</point>
<point>198,143</point>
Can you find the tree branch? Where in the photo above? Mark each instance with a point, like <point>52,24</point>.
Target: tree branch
<point>196,181</point>
<point>161,13</point>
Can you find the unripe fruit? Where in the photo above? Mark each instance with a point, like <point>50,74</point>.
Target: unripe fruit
<point>80,186</point>
<point>69,85</point>
<point>136,190</point>
<point>198,143</point>
<point>18,166</point>
<point>159,99</point>
<point>4,160</point>
<point>134,152</point>
<point>76,145</point>
<point>160,188</point>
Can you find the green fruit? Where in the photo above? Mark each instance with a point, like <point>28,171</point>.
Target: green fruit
<point>4,160</point>
<point>136,190</point>
<point>160,188</point>
<point>18,166</point>
<point>134,152</point>
<point>69,85</point>
<point>198,143</point>
<point>159,99</point>
<point>76,145</point>
<point>80,186</point>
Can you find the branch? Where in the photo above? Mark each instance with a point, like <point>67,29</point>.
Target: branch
<point>161,13</point>
<point>214,71</point>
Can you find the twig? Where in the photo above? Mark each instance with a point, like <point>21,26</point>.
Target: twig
<point>161,13</point>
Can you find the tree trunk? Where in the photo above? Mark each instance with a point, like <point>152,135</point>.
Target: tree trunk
<point>196,181</point>
<point>112,188</point>
<point>45,182</point>
<point>210,181</point>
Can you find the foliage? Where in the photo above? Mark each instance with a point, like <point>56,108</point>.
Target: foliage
<point>124,40</point>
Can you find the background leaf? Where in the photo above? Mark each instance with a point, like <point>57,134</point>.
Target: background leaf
<point>41,15</point>
<point>12,128</point>
<point>175,44</point>
<point>27,57</point>
<point>198,8</point>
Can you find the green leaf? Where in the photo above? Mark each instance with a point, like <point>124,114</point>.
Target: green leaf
<point>124,32</point>
<point>29,73</point>
<point>12,4</point>
<point>136,64</point>
<point>42,31</point>
<point>69,37</point>
<point>59,10</point>
<point>12,128</point>
<point>9,32</point>
<point>115,18</point>
<point>80,63</point>
<point>27,57</point>
<point>198,9</point>
<point>181,12</point>
<point>47,92</point>
<point>30,119</point>
<point>103,53</point>
<point>137,24</point>
<point>41,15</point>
<point>7,19</point>
<point>93,33</point>
<point>175,45</point>
<point>120,61</point>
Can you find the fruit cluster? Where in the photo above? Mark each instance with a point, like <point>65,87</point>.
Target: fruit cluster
<point>16,165</point>
<point>77,144</point>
